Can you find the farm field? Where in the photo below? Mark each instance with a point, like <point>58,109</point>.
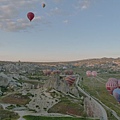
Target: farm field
<point>54,118</point>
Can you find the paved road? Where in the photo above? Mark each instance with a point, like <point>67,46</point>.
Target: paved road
<point>104,114</point>
<point>112,111</point>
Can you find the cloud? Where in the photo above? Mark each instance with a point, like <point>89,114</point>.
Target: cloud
<point>65,21</point>
<point>13,14</point>
<point>9,25</point>
<point>8,12</point>
<point>19,24</point>
<point>83,4</point>
<point>56,11</point>
<point>58,1</point>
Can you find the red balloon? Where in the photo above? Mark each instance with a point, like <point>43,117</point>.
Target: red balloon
<point>56,72</point>
<point>111,85</point>
<point>88,73</point>
<point>113,79</point>
<point>70,79</point>
<point>47,72</point>
<point>68,72</point>
<point>94,73</point>
<point>30,16</point>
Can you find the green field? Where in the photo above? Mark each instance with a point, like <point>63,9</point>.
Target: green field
<point>68,106</point>
<point>54,118</point>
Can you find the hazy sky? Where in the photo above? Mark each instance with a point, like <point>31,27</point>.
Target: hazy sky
<point>63,30</point>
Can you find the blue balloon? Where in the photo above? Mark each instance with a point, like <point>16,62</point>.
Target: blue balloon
<point>116,94</point>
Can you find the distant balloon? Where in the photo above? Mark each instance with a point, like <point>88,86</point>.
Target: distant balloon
<point>94,73</point>
<point>111,85</point>
<point>47,72</point>
<point>30,16</point>
<point>43,5</point>
<point>68,72</point>
<point>70,79</point>
<point>88,73</point>
<point>116,94</point>
<point>56,72</point>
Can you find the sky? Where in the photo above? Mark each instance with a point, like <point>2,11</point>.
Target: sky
<point>64,30</point>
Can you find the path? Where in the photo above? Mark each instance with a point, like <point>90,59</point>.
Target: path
<point>104,114</point>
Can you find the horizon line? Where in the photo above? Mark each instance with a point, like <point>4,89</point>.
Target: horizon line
<point>58,61</point>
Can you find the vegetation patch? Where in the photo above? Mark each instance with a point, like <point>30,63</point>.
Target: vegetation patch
<point>8,115</point>
<point>29,117</point>
<point>66,106</point>
<point>11,107</point>
<point>34,82</point>
<point>16,99</point>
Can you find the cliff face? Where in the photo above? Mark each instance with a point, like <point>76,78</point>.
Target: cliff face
<point>4,81</point>
<point>8,81</point>
<point>61,85</point>
<point>92,109</point>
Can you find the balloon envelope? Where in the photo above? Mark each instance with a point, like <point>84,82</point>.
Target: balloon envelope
<point>70,79</point>
<point>88,73</point>
<point>113,79</point>
<point>56,71</point>
<point>43,5</point>
<point>116,94</point>
<point>94,73</point>
<point>47,72</point>
<point>68,72</point>
<point>110,86</point>
<point>30,16</point>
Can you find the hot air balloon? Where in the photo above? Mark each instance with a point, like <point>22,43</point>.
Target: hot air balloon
<point>47,72</point>
<point>30,15</point>
<point>111,85</point>
<point>88,73</point>
<point>94,73</point>
<point>56,71</point>
<point>70,79</point>
<point>43,5</point>
<point>68,72</point>
<point>116,94</point>
<point>44,72</point>
<point>113,79</point>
